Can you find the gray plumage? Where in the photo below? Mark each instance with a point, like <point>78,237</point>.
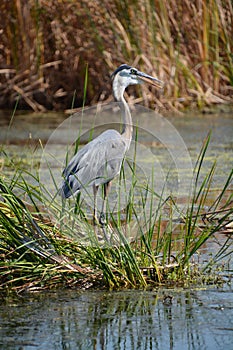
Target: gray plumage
<point>98,162</point>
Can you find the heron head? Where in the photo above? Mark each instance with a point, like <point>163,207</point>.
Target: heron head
<point>127,75</point>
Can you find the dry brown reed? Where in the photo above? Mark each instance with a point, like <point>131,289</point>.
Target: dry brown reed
<point>47,46</point>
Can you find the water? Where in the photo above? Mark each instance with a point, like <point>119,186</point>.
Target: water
<point>165,142</point>
<point>164,319</point>
<point>177,318</point>
<point>167,146</point>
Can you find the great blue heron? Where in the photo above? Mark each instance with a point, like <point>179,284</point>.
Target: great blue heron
<point>99,161</point>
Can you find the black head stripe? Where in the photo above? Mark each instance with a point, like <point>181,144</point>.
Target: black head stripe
<point>123,66</point>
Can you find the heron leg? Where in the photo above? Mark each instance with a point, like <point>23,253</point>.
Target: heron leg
<point>102,218</point>
<point>95,190</point>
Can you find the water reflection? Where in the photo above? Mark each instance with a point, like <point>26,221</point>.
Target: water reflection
<point>126,320</point>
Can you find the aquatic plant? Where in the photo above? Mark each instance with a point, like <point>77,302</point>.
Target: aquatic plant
<point>40,251</point>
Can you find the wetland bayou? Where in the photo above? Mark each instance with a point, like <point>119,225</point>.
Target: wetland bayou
<point>191,316</point>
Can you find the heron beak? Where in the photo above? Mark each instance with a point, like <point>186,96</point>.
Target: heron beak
<point>151,80</point>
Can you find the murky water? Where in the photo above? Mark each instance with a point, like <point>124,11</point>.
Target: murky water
<point>168,147</point>
<point>164,319</point>
<point>163,141</point>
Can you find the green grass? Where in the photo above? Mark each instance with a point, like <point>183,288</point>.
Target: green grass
<point>39,251</point>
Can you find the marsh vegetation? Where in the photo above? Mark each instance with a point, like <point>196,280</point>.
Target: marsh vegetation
<point>47,47</point>
<point>38,251</point>
<point>59,55</point>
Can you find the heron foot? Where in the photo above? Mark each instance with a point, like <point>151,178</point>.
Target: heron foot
<point>103,224</point>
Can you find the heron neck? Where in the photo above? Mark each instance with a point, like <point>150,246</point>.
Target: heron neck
<point>127,130</point>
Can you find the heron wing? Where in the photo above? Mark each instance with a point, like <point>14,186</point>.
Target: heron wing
<point>96,163</point>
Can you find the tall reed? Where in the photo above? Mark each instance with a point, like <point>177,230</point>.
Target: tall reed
<point>47,45</point>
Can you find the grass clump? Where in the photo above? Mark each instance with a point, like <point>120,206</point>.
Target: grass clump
<point>38,251</point>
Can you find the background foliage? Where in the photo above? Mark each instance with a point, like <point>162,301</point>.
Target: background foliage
<point>46,47</point>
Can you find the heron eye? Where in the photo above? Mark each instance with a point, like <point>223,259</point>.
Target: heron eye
<point>133,71</point>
